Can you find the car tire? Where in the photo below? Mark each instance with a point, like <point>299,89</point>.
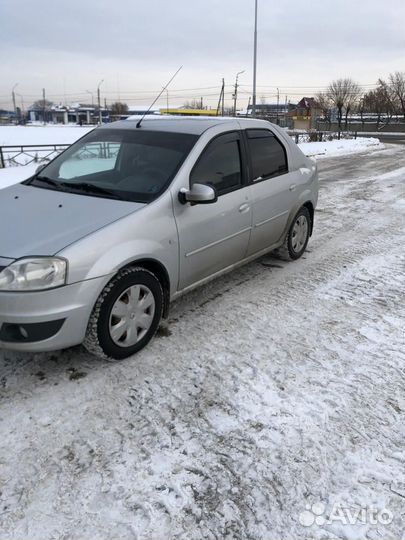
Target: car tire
<point>126,315</point>
<point>296,240</point>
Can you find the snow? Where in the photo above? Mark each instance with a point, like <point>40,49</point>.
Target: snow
<point>13,175</point>
<point>20,135</point>
<point>33,135</point>
<point>275,387</point>
<point>339,148</point>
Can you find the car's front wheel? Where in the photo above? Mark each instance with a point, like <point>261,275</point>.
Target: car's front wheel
<point>126,314</point>
<point>297,237</point>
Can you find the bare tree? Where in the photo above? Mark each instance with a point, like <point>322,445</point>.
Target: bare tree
<point>323,102</point>
<point>379,102</point>
<point>118,108</point>
<point>194,104</point>
<point>352,100</point>
<point>343,94</point>
<point>397,89</point>
<point>42,104</point>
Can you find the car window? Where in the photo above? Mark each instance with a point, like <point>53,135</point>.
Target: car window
<point>130,164</point>
<point>89,159</point>
<point>219,165</point>
<point>268,155</point>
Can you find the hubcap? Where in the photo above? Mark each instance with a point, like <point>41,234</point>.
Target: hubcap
<point>131,315</point>
<point>299,233</point>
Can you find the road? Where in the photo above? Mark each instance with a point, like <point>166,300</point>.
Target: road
<point>389,138</point>
<point>272,389</point>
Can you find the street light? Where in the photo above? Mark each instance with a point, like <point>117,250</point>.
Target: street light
<point>22,107</point>
<point>98,99</point>
<point>235,95</point>
<point>254,64</point>
<point>92,97</point>
<point>167,101</point>
<point>14,104</point>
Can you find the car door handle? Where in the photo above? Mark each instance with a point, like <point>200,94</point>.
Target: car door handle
<point>244,208</point>
<point>292,187</point>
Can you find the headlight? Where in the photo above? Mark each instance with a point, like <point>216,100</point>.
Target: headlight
<point>33,274</point>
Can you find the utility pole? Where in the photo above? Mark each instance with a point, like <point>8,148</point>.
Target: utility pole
<point>254,64</point>
<point>235,95</point>
<point>278,103</point>
<point>201,105</point>
<point>247,110</point>
<point>14,104</point>
<point>92,97</point>
<point>286,112</point>
<point>22,117</point>
<point>100,119</point>
<point>223,97</point>
<point>43,105</point>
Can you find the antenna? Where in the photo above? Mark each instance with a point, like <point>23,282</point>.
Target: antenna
<point>138,125</point>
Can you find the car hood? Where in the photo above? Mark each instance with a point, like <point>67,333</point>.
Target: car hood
<point>36,221</point>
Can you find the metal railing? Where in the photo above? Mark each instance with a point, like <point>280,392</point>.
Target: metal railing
<point>15,155</point>
<point>320,136</point>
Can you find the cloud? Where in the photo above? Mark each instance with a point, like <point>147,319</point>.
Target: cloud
<point>139,43</point>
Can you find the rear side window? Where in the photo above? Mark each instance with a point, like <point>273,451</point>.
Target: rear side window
<point>268,155</point>
<point>219,165</point>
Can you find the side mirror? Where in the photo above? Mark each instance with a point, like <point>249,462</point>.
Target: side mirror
<point>198,194</point>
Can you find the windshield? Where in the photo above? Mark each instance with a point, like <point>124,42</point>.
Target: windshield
<point>132,165</point>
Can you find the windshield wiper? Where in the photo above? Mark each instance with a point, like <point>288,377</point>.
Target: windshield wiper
<point>46,180</point>
<point>90,188</point>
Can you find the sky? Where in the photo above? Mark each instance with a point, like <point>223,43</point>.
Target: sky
<point>135,47</point>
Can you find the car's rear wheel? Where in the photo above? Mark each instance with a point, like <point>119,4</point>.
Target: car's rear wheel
<point>126,315</point>
<point>296,240</point>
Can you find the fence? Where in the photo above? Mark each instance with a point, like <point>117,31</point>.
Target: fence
<point>319,136</point>
<point>11,156</point>
<point>14,155</point>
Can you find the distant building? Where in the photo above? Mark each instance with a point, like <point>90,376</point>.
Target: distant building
<point>188,112</point>
<point>273,112</point>
<point>140,110</point>
<point>6,116</point>
<point>305,113</point>
<point>67,114</point>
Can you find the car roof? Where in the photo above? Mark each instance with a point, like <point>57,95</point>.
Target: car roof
<point>185,124</point>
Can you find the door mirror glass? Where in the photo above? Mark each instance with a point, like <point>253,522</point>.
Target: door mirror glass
<point>198,194</point>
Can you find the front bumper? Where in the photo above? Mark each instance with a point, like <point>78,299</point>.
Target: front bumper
<point>64,312</point>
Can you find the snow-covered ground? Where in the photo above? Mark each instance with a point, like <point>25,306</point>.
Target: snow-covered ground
<point>339,148</point>
<point>276,387</point>
<point>35,135</point>
<point>47,134</point>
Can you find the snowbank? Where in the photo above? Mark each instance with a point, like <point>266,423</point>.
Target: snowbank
<point>339,148</point>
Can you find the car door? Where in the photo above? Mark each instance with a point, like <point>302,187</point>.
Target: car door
<point>215,236</point>
<point>272,188</point>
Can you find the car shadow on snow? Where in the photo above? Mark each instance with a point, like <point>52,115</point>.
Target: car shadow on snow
<point>19,369</point>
